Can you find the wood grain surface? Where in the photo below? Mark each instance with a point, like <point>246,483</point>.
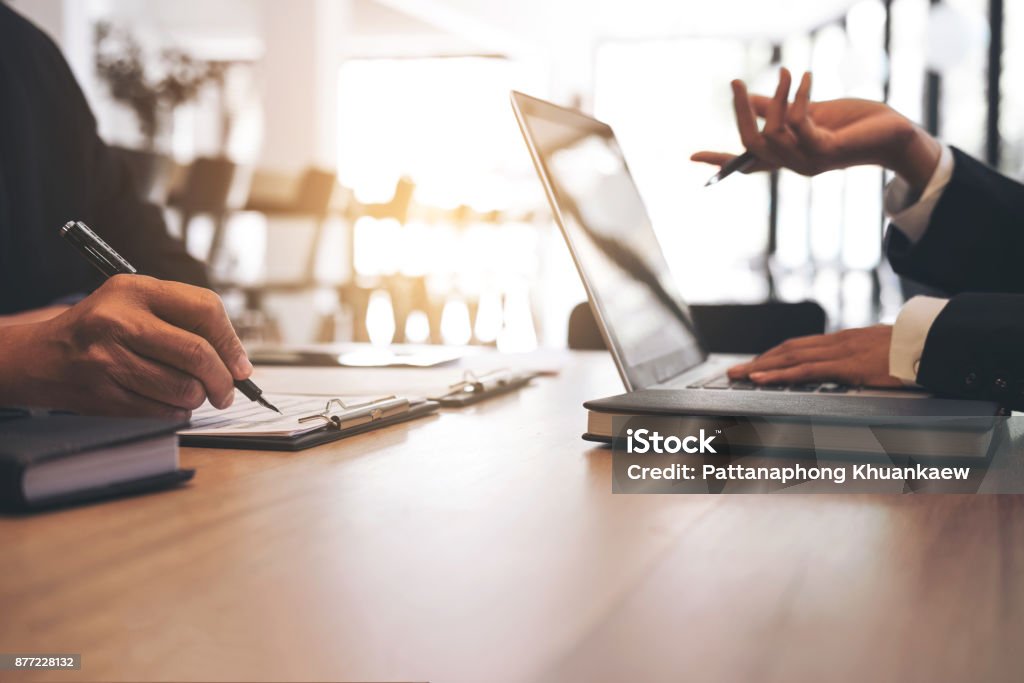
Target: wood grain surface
<point>485,545</point>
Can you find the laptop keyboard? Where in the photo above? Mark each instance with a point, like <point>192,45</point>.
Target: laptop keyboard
<point>722,382</point>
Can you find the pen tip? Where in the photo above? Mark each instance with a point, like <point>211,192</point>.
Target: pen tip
<point>267,404</point>
<point>711,181</point>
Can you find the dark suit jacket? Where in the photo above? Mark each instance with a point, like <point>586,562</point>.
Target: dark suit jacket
<point>973,250</point>
<point>55,168</point>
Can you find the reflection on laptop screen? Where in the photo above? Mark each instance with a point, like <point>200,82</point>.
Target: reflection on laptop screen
<point>610,234</point>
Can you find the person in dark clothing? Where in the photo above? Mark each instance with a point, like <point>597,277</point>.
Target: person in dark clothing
<point>955,225</point>
<point>157,345</point>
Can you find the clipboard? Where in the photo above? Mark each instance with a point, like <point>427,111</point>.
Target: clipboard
<point>302,426</point>
<point>474,388</point>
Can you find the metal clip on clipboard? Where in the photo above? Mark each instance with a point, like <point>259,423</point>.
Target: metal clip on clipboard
<point>475,387</point>
<point>341,416</point>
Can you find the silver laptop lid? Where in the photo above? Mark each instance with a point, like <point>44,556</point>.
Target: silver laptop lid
<point>645,322</point>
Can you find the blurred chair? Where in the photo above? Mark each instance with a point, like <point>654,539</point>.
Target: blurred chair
<point>397,207</point>
<point>275,193</point>
<point>311,196</point>
<point>205,190</point>
<point>406,294</point>
<point>316,194</point>
<point>723,328</point>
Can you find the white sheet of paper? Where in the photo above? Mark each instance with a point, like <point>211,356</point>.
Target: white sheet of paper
<point>421,382</point>
<point>246,418</point>
<point>357,381</point>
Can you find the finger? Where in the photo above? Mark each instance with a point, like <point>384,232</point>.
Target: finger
<point>796,344</point>
<point>713,158</point>
<point>721,159</point>
<point>799,343</point>
<point>201,311</point>
<point>799,116</point>
<point>745,119</point>
<point>794,358</point>
<point>760,104</point>
<point>775,116</point>
<point>187,352</point>
<point>808,372</point>
<point>790,346</point>
<point>739,371</point>
<point>809,136</point>
<point>800,108</point>
<point>787,149</point>
<point>154,380</point>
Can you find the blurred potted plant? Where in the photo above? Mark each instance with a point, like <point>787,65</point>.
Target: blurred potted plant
<point>152,89</point>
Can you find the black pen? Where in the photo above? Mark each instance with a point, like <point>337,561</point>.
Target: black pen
<point>741,163</point>
<point>110,263</point>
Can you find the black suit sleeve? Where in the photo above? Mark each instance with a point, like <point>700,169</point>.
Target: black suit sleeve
<point>975,240</point>
<point>972,249</point>
<point>974,347</point>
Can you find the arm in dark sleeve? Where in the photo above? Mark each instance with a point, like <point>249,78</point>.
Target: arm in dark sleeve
<point>973,349</point>
<point>975,240</point>
<point>110,205</point>
<point>136,226</point>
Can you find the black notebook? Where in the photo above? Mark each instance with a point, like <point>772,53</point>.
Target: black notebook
<point>49,460</point>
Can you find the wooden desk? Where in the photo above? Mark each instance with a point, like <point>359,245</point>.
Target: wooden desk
<point>485,545</point>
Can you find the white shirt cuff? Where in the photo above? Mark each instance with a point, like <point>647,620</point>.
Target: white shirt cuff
<point>909,334</point>
<point>910,213</point>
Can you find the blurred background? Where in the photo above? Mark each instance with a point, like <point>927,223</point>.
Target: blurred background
<point>351,169</point>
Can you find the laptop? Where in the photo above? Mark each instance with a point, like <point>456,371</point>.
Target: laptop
<point>644,321</point>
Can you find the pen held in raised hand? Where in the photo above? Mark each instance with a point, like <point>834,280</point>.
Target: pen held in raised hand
<point>742,163</point>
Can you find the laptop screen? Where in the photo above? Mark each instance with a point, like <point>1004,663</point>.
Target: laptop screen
<point>607,228</point>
